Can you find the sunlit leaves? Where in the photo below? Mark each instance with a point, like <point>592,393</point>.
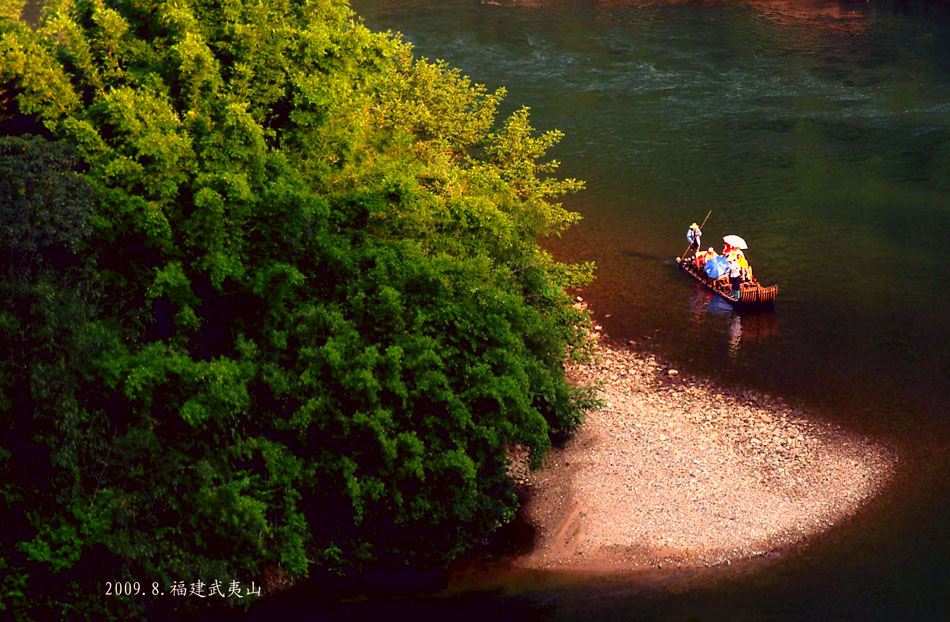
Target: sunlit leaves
<point>29,73</point>
<point>321,313</point>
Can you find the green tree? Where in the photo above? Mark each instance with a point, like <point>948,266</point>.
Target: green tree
<point>300,309</point>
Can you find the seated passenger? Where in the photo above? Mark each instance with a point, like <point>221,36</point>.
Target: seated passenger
<point>699,259</point>
<point>703,256</point>
<point>744,266</point>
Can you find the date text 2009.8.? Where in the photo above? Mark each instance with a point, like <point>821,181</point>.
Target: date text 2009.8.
<point>199,589</point>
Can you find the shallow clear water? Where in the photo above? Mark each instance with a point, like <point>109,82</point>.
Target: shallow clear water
<point>820,132</point>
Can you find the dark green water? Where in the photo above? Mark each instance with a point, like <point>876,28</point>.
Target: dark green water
<point>820,132</point>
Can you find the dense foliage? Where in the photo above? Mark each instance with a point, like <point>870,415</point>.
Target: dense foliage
<point>272,305</point>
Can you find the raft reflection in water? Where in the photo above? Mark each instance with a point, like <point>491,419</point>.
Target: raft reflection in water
<point>750,325</point>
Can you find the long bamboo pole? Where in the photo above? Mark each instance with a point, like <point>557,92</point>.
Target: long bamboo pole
<point>700,228</point>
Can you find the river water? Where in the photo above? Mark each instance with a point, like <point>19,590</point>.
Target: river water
<point>820,132</point>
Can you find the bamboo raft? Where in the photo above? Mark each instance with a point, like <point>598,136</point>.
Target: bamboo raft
<point>752,294</point>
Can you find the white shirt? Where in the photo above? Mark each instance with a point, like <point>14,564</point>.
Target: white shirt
<point>734,271</point>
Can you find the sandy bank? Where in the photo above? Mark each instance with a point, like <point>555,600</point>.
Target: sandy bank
<point>677,473</point>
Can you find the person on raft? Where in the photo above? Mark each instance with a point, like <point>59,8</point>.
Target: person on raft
<point>693,234</point>
<point>744,266</point>
<point>703,256</point>
<point>735,277</point>
<point>733,253</point>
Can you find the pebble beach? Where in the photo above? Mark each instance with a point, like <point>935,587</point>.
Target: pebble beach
<point>675,472</point>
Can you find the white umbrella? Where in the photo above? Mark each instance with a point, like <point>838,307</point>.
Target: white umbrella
<point>734,240</point>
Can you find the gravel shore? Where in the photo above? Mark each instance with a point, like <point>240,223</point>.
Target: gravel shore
<point>676,473</point>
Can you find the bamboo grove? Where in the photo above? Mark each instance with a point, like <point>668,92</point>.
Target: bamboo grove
<point>272,306</point>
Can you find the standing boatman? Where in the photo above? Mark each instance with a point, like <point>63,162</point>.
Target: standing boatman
<point>693,234</point>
